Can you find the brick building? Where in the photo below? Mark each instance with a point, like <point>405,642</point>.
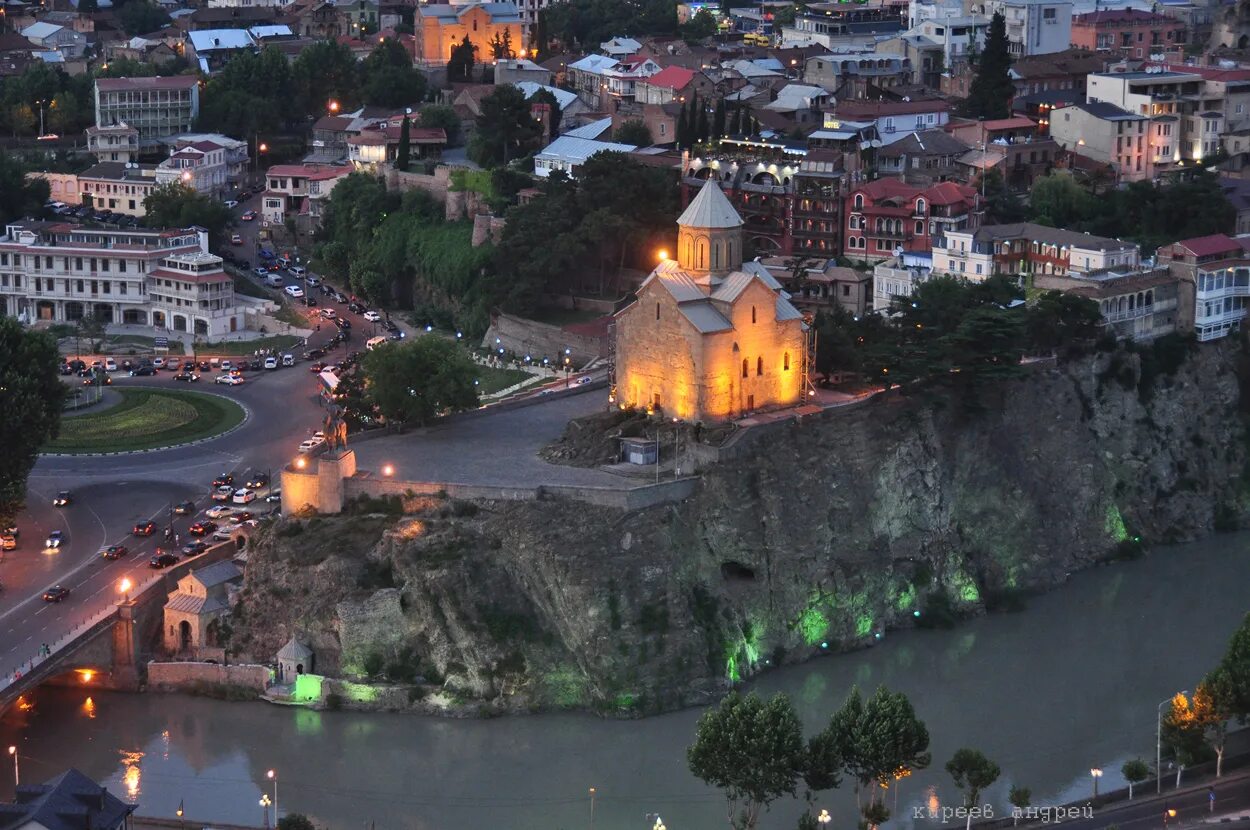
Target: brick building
<point>1133,32</point>
<point>887,215</point>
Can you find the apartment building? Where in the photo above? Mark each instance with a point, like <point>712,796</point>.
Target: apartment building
<point>899,276</point>
<point>1028,248</point>
<point>851,74</point>
<point>58,271</point>
<point>118,142</point>
<point>887,216</point>
<point>586,76</point>
<point>1034,27</point>
<point>118,187</point>
<point>1187,117</point>
<point>894,120</point>
<point>1132,32</point>
<point>200,165</point>
<point>1135,305</point>
<point>1107,133</point>
<point>156,107</point>
<point>1215,275</point>
<point>299,191</point>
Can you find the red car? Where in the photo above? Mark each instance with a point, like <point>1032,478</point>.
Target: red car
<point>248,216</point>
<point>115,552</point>
<point>144,529</point>
<point>202,528</point>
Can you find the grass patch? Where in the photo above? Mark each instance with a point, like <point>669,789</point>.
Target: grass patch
<point>564,316</point>
<point>140,340</point>
<point>145,419</point>
<point>291,316</point>
<point>244,285</point>
<point>280,342</point>
<point>492,380</point>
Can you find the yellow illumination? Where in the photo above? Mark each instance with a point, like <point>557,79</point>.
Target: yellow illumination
<point>124,586</point>
<point>662,255</point>
<point>300,463</point>
<point>388,470</point>
<point>86,675</point>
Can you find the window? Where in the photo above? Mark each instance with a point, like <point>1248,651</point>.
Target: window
<point>785,362</point>
<point>753,315</point>
<point>919,227</point>
<point>846,291</point>
<point>744,367</point>
<point>920,207</point>
<point>859,201</point>
<point>759,366</point>
<point>657,311</point>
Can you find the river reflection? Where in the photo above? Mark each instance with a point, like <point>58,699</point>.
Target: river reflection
<point>1068,684</point>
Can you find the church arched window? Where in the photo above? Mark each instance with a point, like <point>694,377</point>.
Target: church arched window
<point>657,311</point>
<point>785,364</point>
<point>752,314</point>
<point>759,365</point>
<point>745,370</point>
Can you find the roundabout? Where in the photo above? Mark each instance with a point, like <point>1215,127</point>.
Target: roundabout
<point>146,419</point>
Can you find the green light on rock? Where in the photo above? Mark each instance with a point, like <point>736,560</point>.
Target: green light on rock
<point>1114,524</point>
<point>965,588</point>
<point>731,669</point>
<point>863,625</point>
<point>813,625</point>
<point>906,598</point>
<point>360,692</point>
<point>308,688</point>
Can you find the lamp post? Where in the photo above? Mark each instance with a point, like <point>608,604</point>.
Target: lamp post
<point>1159,743</point>
<point>264,805</point>
<point>1095,773</point>
<point>592,806</point>
<point>272,775</point>
<point>824,818</point>
<point>17,774</point>
<point>180,812</point>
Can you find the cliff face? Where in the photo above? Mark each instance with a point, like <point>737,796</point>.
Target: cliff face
<point>821,535</point>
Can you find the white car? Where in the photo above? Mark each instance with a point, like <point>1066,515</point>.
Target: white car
<point>110,365</point>
<point>297,270</point>
<point>328,313</point>
<point>271,362</point>
<point>313,281</point>
<point>229,380</point>
<point>219,511</point>
<point>294,291</point>
<point>158,362</point>
<point>372,316</point>
<point>223,493</point>
<point>244,496</point>
<point>311,444</point>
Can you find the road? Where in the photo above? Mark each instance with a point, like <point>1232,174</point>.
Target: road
<point>113,493</point>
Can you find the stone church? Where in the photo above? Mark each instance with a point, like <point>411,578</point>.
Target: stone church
<point>710,338</point>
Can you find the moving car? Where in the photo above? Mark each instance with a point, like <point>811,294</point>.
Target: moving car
<point>158,362</point>
<point>244,496</point>
<point>223,479</point>
<point>162,560</point>
<point>343,325</point>
<point>241,517</point>
<point>142,371</point>
<point>260,272</point>
<point>313,354</point>
<point>110,365</point>
<point>114,552</point>
<point>229,380</point>
<point>206,366</point>
<point>184,508</point>
<point>194,548</point>
<point>316,368</point>
<point>55,539</point>
<point>223,493</point>
<point>258,480</point>
<point>62,499</point>
<point>248,215</point>
<point>372,316</point>
<point>288,360</point>
<point>297,270</point>
<point>312,281</point>
<point>187,377</point>
<point>56,593</point>
<point>271,362</point>
<point>8,541</point>
<point>310,445</point>
<point>218,511</point>
<point>294,291</point>
<point>103,380</point>
<point>143,529</point>
<point>202,528</point>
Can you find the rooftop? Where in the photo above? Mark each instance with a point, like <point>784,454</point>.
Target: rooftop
<point>710,208</point>
<point>155,82</point>
<point>70,801</point>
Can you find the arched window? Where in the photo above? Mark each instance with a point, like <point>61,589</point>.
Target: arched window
<point>657,311</point>
<point>920,207</point>
<point>785,363</point>
<point>752,314</point>
<point>715,255</point>
<point>919,227</point>
<point>759,365</point>
<point>744,367</point>
<point>859,201</point>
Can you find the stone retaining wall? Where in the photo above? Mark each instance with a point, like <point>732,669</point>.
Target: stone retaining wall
<point>175,677</point>
<point>521,336</point>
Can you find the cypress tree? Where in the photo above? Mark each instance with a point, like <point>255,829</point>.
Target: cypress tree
<point>755,126</point>
<point>718,119</point>
<point>692,121</point>
<point>401,155</point>
<point>683,137</point>
<point>704,128</point>
<point>735,127</point>
<point>992,89</point>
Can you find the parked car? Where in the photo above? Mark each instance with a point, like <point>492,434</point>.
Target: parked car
<point>288,360</point>
<point>241,517</point>
<point>355,307</point>
<point>218,511</point>
<point>258,480</point>
<point>56,593</point>
<point>174,366</point>
<point>162,560</point>
<point>311,281</point>
<point>110,365</point>
<point>206,366</point>
<point>316,368</point>
<point>63,499</point>
<point>343,323</point>
<point>372,316</point>
<point>271,362</point>
<point>260,272</point>
<point>229,380</point>
<point>143,529</point>
<point>114,552</point>
<point>294,291</point>
<point>8,541</point>
<point>55,539</point>
<point>194,548</point>
<point>297,270</point>
<point>313,353</point>
<point>102,380</point>
<point>202,528</point>
<point>142,371</point>
<point>187,377</point>
<point>223,480</point>
<point>339,296</point>
<point>158,362</point>
<point>248,215</point>
<point>184,508</point>
<point>310,445</point>
<point>310,301</point>
<point>236,239</point>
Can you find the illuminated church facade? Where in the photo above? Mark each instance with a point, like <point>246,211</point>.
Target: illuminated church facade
<point>709,338</point>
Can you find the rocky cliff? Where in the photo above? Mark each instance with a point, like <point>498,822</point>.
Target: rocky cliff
<point>821,535</point>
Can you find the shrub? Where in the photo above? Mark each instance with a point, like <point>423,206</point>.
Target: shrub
<point>291,529</point>
<point>939,611</point>
<point>372,664</point>
<point>334,701</point>
<point>416,693</point>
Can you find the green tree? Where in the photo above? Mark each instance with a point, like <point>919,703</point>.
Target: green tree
<point>972,772</point>
<point>326,71</point>
<point>460,64</point>
<point>295,821</point>
<point>555,114</point>
<point>142,16</point>
<point>718,119</point>
<point>404,150</point>
<point>175,205</point>
<point>1211,708</point>
<point>1134,771</point>
<point>1183,736</point>
<point>31,395</point>
<point>19,196</point>
<point>501,46</point>
<point>750,749</point>
<point>703,130</point>
<point>505,129</point>
<point>1235,666</point>
<point>1057,320</point>
<point>21,118</point>
<point>388,78</point>
<point>634,132</point>
<point>415,381</point>
<point>444,117</point>
<point>991,91</point>
<point>1020,798</point>
<point>63,113</point>
<point>682,135</point>
<point>699,28</point>
<point>1057,200</point>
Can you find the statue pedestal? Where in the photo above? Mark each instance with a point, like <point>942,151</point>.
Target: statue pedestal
<point>332,468</point>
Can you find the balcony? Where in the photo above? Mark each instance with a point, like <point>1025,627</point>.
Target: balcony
<point>1223,317</point>
<point>1139,312</point>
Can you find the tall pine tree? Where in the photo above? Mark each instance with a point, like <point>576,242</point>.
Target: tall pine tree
<point>704,129</point>
<point>683,136</point>
<point>692,121</point>
<point>405,149</point>
<point>718,119</point>
<point>992,89</point>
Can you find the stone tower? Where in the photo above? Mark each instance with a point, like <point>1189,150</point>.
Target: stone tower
<point>709,235</point>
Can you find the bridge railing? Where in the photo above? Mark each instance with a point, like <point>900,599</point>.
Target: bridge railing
<point>14,673</point>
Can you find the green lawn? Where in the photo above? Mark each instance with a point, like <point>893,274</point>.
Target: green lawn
<point>147,418</point>
<point>141,340</point>
<point>244,285</point>
<point>281,342</point>
<point>492,380</point>
<point>291,315</point>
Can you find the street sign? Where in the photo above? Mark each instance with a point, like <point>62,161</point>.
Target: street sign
<point>160,344</point>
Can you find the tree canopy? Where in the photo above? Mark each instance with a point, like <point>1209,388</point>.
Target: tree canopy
<point>505,128</point>
<point>31,395</point>
<point>972,772</point>
<point>388,78</point>
<point>19,196</point>
<point>441,115</point>
<point>414,381</point>
<point>991,91</point>
<point>252,92</point>
<point>460,64</point>
<point>634,132</point>
<point>587,23</point>
<point>326,71</point>
<point>176,205</point>
<point>142,16</point>
<point>19,96</point>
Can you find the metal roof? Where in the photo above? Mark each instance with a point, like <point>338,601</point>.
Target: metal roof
<point>710,209</point>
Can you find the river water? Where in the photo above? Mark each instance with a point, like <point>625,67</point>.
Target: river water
<point>1069,683</point>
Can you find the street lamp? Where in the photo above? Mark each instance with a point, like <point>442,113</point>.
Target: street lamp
<point>388,470</point>
<point>272,775</point>
<point>824,818</point>
<point>1159,743</point>
<point>123,588</point>
<point>659,824</point>
<point>17,774</point>
<point>333,106</point>
<point>1095,773</point>
<point>264,805</point>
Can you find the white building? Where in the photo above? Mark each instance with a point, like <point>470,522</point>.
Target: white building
<point>157,107</point>
<point>200,165</point>
<point>1028,248</point>
<point>899,276</point>
<point>1034,27</point>
<point>58,271</point>
<point>567,153</point>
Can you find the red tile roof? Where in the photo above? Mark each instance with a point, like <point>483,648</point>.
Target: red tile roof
<point>1216,243</point>
<point>949,193</point>
<point>674,77</point>
<point>320,172</point>
<point>1212,73</point>
<point>856,110</point>
<point>1115,16</point>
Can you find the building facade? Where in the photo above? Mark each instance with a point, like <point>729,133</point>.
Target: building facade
<point>1215,276</point>
<point>1106,133</point>
<point>1028,248</point>
<point>1034,27</point>
<point>440,27</point>
<point>1132,32</point>
<point>709,338</point>
<point>299,191</point>
<point>117,187</point>
<point>156,107</point>
<point>887,217</point>
<point>57,271</point>
<point>194,610</point>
